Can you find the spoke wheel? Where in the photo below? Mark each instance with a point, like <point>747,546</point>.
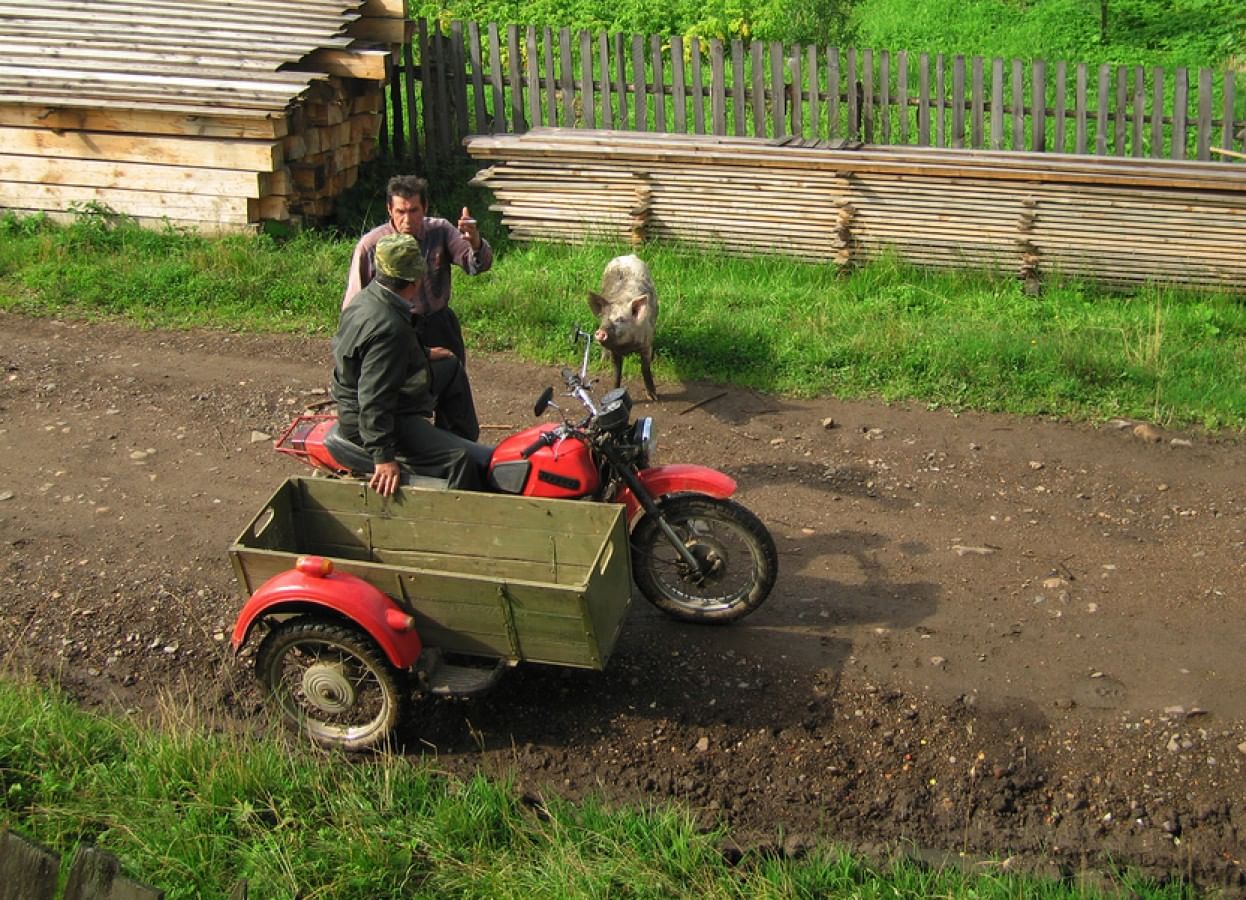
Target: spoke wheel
<point>736,560</point>
<point>331,682</point>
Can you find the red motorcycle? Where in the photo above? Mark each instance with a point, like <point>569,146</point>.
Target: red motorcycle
<point>696,554</point>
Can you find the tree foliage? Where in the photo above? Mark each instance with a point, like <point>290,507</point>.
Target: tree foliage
<point>1143,32</point>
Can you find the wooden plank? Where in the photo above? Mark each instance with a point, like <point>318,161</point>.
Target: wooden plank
<point>441,62</point>
<point>566,79</point>
<point>1038,106</point>
<point>1059,111</point>
<point>148,204</point>
<point>458,79</point>
<point>588,96</point>
<point>795,92</point>
<point>412,105</point>
<point>367,64</point>
<point>757,69</point>
<point>698,86</point>
<point>778,91</point>
<point>395,110</point>
<point>902,95</point>
<point>478,80</point>
<point>814,99</point>
<point>1101,110</point>
<point>884,95</point>
<point>940,95</point>
<point>515,82</point>
<point>834,127</point>
<point>1018,105</point>
<point>28,871</point>
<point>867,95</point>
<point>603,62</point>
<point>620,74</point>
<point>1203,128</point>
<point>495,80</point>
<point>679,86</point>
<point>551,85</point>
<point>1157,113</point>
<point>997,103</point>
<point>239,124</point>
<point>534,80</point>
<point>1180,109</point>
<point>640,96</point>
<point>95,874</point>
<point>659,84</point>
<point>718,87</point>
<point>258,156</point>
<point>381,31</point>
<point>738,93</point>
<point>1121,111</point>
<point>394,9</point>
<point>958,101</point>
<point>1230,107</point>
<point>851,86</point>
<point>923,100</point>
<point>1080,112</point>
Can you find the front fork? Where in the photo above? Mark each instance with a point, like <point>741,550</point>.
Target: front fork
<point>627,472</point>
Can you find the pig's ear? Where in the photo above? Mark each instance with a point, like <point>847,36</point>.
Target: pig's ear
<point>640,305</point>
<point>596,302</point>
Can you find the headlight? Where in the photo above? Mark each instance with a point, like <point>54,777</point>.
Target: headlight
<point>645,439</point>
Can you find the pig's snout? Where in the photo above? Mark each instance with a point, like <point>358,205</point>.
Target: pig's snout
<point>601,336</point>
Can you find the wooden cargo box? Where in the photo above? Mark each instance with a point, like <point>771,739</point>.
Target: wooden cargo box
<point>493,575</point>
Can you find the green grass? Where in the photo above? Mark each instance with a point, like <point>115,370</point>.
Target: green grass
<point>192,812</point>
<point>960,340</point>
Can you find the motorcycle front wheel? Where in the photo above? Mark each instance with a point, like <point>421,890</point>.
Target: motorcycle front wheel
<point>331,682</point>
<point>737,560</point>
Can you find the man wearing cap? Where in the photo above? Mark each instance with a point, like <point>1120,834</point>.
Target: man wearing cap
<point>387,383</point>
<point>444,245</point>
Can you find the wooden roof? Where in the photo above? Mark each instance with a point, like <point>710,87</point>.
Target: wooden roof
<point>201,57</point>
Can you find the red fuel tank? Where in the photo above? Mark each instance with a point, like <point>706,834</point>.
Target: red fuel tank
<point>562,470</point>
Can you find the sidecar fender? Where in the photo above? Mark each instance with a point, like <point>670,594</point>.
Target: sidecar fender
<point>302,590</point>
<point>678,478</point>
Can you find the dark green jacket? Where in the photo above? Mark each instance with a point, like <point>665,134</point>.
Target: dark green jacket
<point>381,370</point>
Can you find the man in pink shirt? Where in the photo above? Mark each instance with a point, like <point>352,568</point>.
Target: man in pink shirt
<point>444,245</point>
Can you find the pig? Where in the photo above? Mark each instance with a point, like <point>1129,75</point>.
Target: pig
<point>627,311</point>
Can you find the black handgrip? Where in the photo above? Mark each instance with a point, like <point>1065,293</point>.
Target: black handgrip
<point>546,438</point>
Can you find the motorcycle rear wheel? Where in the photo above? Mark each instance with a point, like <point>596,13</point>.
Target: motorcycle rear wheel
<point>330,681</point>
<point>737,553</point>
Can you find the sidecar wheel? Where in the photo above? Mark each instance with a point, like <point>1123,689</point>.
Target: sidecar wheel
<point>738,560</point>
<point>330,681</point>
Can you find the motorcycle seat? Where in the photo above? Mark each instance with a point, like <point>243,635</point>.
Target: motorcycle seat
<point>359,461</point>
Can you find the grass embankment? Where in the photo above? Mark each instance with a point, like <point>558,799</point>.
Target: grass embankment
<point>957,340</point>
<point>194,813</point>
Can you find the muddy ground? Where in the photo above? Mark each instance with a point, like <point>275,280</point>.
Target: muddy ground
<point>992,638</point>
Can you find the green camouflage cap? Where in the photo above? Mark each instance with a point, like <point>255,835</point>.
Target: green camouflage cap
<point>399,256</point>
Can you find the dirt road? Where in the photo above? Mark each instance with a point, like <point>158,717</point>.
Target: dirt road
<point>990,636</point>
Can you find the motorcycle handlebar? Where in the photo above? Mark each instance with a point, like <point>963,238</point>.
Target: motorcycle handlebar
<point>546,438</point>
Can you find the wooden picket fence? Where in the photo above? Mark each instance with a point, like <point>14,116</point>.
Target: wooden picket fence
<point>473,78</point>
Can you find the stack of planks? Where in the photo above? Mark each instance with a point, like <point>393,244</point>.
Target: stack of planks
<point>214,115</point>
<point>1112,220</point>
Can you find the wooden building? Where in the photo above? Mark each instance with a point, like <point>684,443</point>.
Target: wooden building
<point>215,115</point>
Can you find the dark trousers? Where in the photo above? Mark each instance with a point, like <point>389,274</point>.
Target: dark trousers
<point>429,450</point>
<point>456,408</point>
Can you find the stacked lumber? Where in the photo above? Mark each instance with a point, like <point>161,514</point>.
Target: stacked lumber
<point>1113,220</point>
<point>207,114</point>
